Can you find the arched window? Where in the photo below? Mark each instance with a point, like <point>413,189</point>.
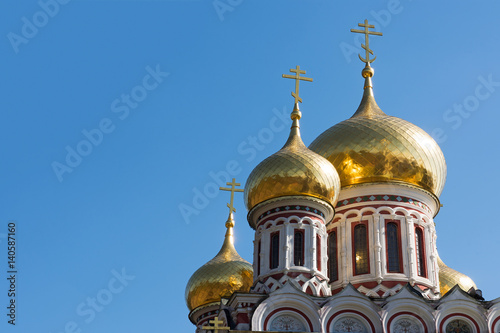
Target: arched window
<point>333,271</point>
<point>419,249</point>
<point>393,248</point>
<point>298,247</point>
<point>458,326</point>
<point>360,251</point>
<point>275,250</point>
<point>318,252</point>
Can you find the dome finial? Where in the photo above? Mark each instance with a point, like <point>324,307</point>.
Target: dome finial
<point>230,205</point>
<point>296,114</point>
<point>368,106</point>
<point>366,46</point>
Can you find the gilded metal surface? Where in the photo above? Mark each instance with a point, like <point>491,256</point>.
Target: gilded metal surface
<point>366,46</point>
<point>297,78</point>
<point>374,147</point>
<point>222,276</point>
<point>293,170</point>
<point>449,277</point>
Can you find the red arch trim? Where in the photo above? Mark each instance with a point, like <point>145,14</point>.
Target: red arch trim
<point>405,313</point>
<point>287,309</point>
<point>351,311</point>
<point>494,323</point>
<point>458,315</point>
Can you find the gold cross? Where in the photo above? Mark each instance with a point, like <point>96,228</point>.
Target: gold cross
<point>215,322</point>
<point>366,47</point>
<point>232,189</point>
<point>297,77</point>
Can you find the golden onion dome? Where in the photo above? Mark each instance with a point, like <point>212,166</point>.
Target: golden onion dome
<point>449,277</point>
<point>373,147</point>
<point>222,276</point>
<point>293,170</point>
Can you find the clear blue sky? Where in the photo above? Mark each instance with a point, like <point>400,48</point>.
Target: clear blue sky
<point>216,83</point>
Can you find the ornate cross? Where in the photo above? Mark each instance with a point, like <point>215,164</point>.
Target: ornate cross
<point>297,78</point>
<point>232,189</point>
<point>216,320</point>
<point>366,47</point>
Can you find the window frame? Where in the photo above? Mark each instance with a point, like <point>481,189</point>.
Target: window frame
<point>318,253</point>
<point>302,232</point>
<point>259,249</point>
<point>272,250</point>
<point>329,251</point>
<point>397,223</point>
<point>420,252</point>
<point>353,227</point>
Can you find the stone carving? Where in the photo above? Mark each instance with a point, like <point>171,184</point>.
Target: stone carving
<point>406,325</point>
<point>458,326</point>
<point>286,323</point>
<point>348,324</point>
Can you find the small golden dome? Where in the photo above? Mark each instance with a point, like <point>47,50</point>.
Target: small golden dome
<point>293,170</point>
<point>222,276</point>
<point>373,147</point>
<point>449,277</point>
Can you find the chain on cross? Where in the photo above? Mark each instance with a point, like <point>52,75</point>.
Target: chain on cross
<point>366,46</point>
<point>297,78</point>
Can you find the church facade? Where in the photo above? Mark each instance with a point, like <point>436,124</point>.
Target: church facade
<point>344,236</point>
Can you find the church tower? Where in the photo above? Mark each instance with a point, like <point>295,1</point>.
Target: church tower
<point>222,276</point>
<point>291,197</point>
<point>392,173</point>
<point>345,237</point>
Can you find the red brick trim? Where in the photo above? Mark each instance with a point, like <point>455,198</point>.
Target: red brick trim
<point>494,323</point>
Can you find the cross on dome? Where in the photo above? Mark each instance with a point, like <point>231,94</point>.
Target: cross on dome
<point>297,78</point>
<point>233,189</point>
<point>216,328</point>
<point>366,46</point>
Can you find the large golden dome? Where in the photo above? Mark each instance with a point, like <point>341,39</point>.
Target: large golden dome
<point>293,170</point>
<point>222,276</point>
<point>373,147</point>
<point>449,277</point>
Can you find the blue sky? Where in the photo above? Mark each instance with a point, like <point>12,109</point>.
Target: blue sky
<point>161,98</point>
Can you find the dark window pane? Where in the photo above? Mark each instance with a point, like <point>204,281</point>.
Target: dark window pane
<point>392,248</point>
<point>275,248</point>
<point>258,260</point>
<point>318,252</point>
<point>332,256</point>
<point>360,249</point>
<point>298,248</point>
<point>419,248</point>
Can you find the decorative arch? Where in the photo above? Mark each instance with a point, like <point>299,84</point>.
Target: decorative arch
<point>449,319</point>
<point>349,319</point>
<point>289,301</point>
<point>294,318</point>
<point>495,326</point>
<point>416,323</point>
